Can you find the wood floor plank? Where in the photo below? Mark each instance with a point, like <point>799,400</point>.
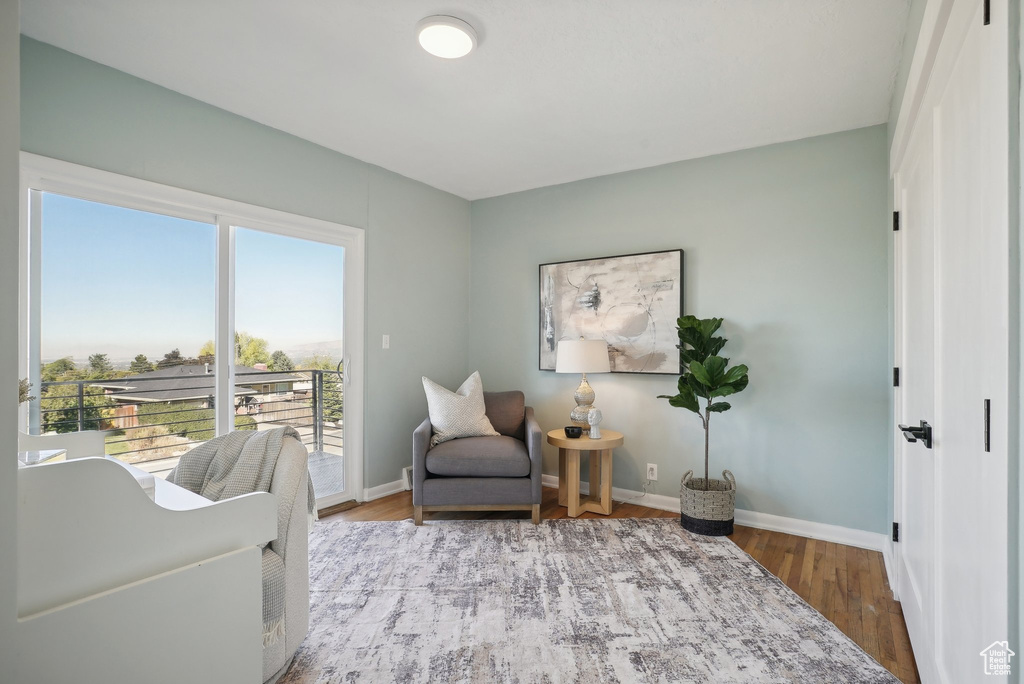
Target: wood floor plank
<point>840,591</point>
<point>793,581</point>
<point>819,579</point>
<point>853,608</point>
<point>870,606</point>
<point>786,567</point>
<point>847,585</point>
<point>751,545</point>
<point>829,583</point>
<point>904,653</point>
<point>807,570</point>
<point>740,535</point>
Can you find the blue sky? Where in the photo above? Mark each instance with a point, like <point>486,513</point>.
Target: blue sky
<point>124,282</point>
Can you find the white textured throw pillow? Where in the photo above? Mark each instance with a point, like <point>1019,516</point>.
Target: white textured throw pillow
<point>457,414</point>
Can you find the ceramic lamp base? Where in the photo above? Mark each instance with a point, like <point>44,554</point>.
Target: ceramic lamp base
<point>584,397</point>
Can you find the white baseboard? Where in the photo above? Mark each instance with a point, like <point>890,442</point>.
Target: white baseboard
<point>872,541</point>
<point>889,557</point>
<point>383,490</point>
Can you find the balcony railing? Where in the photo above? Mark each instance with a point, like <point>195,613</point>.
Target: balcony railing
<point>152,421</point>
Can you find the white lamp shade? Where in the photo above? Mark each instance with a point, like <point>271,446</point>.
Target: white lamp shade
<point>582,356</point>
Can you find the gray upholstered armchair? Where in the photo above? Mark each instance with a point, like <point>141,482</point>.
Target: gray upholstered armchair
<point>499,473</point>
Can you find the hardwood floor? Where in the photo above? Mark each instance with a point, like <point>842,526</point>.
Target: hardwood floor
<point>846,584</point>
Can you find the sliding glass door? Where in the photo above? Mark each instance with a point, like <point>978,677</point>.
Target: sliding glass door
<point>290,346</point>
<point>163,317</point>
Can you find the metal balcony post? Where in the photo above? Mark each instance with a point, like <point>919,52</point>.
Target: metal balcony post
<point>320,413</point>
<point>318,410</point>
<point>81,406</point>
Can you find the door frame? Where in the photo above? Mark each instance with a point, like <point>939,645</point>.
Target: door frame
<point>917,98</point>
<point>896,551</point>
<point>46,174</point>
<point>933,26</point>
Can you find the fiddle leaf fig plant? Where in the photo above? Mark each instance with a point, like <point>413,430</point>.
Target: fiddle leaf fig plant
<point>706,375</point>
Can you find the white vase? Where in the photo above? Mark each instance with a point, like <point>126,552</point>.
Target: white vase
<point>593,418</point>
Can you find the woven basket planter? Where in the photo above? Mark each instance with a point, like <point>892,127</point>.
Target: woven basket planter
<point>707,512</point>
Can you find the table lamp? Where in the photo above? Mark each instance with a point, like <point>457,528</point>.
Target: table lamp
<point>582,356</point>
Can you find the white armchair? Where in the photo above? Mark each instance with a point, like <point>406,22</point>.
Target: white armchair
<point>292,549</point>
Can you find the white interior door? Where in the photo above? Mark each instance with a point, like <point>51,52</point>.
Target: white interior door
<point>952,257</point>
<point>972,325</point>
<point>915,400</point>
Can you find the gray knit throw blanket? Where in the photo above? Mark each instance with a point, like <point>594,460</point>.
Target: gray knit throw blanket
<point>237,463</point>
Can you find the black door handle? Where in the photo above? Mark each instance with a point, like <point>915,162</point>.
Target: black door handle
<point>922,432</point>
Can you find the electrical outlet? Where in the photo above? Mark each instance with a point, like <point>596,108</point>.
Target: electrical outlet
<point>385,342</point>
<point>652,472</point>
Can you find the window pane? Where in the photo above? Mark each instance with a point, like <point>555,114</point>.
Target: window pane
<point>288,322</point>
<point>126,303</point>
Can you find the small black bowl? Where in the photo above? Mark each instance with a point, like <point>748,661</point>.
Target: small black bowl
<point>573,431</point>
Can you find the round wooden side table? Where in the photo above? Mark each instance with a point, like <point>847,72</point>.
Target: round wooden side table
<point>569,451</point>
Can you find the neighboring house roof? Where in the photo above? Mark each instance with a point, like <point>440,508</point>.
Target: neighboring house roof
<point>181,383</point>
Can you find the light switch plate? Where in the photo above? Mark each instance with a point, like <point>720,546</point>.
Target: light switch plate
<point>385,342</point>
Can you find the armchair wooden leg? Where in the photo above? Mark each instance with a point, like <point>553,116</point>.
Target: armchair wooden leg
<point>536,514</point>
<point>417,515</point>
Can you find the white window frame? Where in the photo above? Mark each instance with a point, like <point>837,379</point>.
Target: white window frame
<point>43,174</point>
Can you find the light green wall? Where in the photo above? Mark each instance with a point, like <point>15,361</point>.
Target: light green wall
<point>787,243</point>
<point>9,141</point>
<point>417,237</point>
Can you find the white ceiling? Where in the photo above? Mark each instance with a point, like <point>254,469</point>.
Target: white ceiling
<point>557,90</point>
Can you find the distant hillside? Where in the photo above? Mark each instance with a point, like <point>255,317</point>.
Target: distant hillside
<point>331,348</point>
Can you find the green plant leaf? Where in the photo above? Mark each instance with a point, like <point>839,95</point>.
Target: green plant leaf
<point>740,384</point>
<point>685,399</point>
<point>735,373</point>
<point>709,326</point>
<point>723,391</point>
<point>720,406</point>
<point>695,385</point>
<point>700,373</point>
<point>715,368</point>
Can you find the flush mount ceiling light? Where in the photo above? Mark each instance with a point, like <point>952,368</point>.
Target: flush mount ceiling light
<point>446,37</point>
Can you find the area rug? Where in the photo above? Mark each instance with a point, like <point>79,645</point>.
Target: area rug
<point>631,600</point>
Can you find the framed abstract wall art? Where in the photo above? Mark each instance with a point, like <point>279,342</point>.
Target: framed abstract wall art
<point>631,302</point>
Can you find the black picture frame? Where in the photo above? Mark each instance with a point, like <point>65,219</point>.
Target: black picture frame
<point>545,337</point>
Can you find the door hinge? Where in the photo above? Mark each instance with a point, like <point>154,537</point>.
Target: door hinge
<point>895,220</point>
<point>988,12</point>
<point>895,377</point>
<point>988,426</point>
<point>895,531</point>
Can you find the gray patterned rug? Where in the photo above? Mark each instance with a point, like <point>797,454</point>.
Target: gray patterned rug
<point>632,600</point>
